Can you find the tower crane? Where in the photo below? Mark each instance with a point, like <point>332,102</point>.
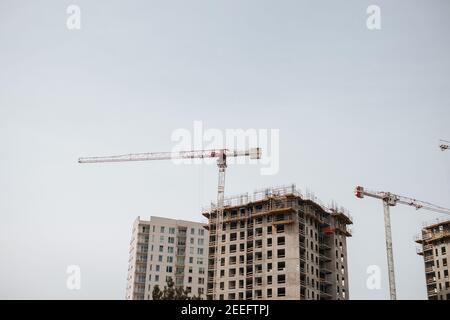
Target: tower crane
<point>390,200</point>
<point>220,154</point>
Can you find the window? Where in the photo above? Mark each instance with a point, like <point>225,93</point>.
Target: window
<point>191,259</point>
<point>169,259</point>
<point>444,262</point>
<point>280,253</point>
<point>443,250</point>
<point>199,260</point>
<point>200,242</point>
<point>269,242</point>
<point>162,229</point>
<point>280,228</point>
<point>157,278</point>
<point>161,248</point>
<point>171,240</point>
<point>189,279</point>
<point>172,230</point>
<point>269,230</point>
<point>269,279</point>
<point>161,239</point>
<point>201,280</point>
<point>200,251</point>
<point>190,270</point>
<point>160,258</point>
<point>169,269</point>
<point>281,241</point>
<point>157,268</point>
<point>201,232</point>
<point>170,249</point>
<point>192,231</point>
<point>281,292</point>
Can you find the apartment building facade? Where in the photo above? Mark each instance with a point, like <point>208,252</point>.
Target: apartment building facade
<point>435,249</point>
<point>279,244</point>
<point>161,248</point>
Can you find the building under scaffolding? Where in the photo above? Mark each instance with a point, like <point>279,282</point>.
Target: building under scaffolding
<point>277,244</point>
<point>435,249</point>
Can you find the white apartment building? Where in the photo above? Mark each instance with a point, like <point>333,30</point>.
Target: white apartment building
<point>161,248</point>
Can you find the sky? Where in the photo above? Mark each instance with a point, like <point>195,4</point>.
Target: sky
<point>353,106</point>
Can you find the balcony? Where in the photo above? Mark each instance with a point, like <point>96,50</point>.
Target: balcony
<point>431,281</point>
<point>325,295</point>
<point>429,270</point>
<point>324,258</point>
<point>325,270</point>
<point>325,281</point>
<point>432,292</point>
<point>428,258</point>
<point>324,246</point>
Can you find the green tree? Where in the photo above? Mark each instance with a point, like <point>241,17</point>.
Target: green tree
<point>157,293</point>
<point>170,292</point>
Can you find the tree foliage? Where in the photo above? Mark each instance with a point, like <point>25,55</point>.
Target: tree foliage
<point>170,292</point>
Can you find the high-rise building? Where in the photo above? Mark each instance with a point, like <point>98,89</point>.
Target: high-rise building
<point>162,248</point>
<point>435,248</point>
<point>278,244</point>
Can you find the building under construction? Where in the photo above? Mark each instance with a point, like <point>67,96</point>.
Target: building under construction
<point>278,244</point>
<point>435,248</point>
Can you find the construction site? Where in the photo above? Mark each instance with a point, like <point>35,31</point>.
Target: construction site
<point>277,243</point>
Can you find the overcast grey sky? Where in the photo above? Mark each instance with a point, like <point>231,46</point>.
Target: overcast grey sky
<point>353,106</point>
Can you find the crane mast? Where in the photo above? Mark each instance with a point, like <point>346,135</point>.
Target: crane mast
<point>220,154</point>
<point>390,200</point>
